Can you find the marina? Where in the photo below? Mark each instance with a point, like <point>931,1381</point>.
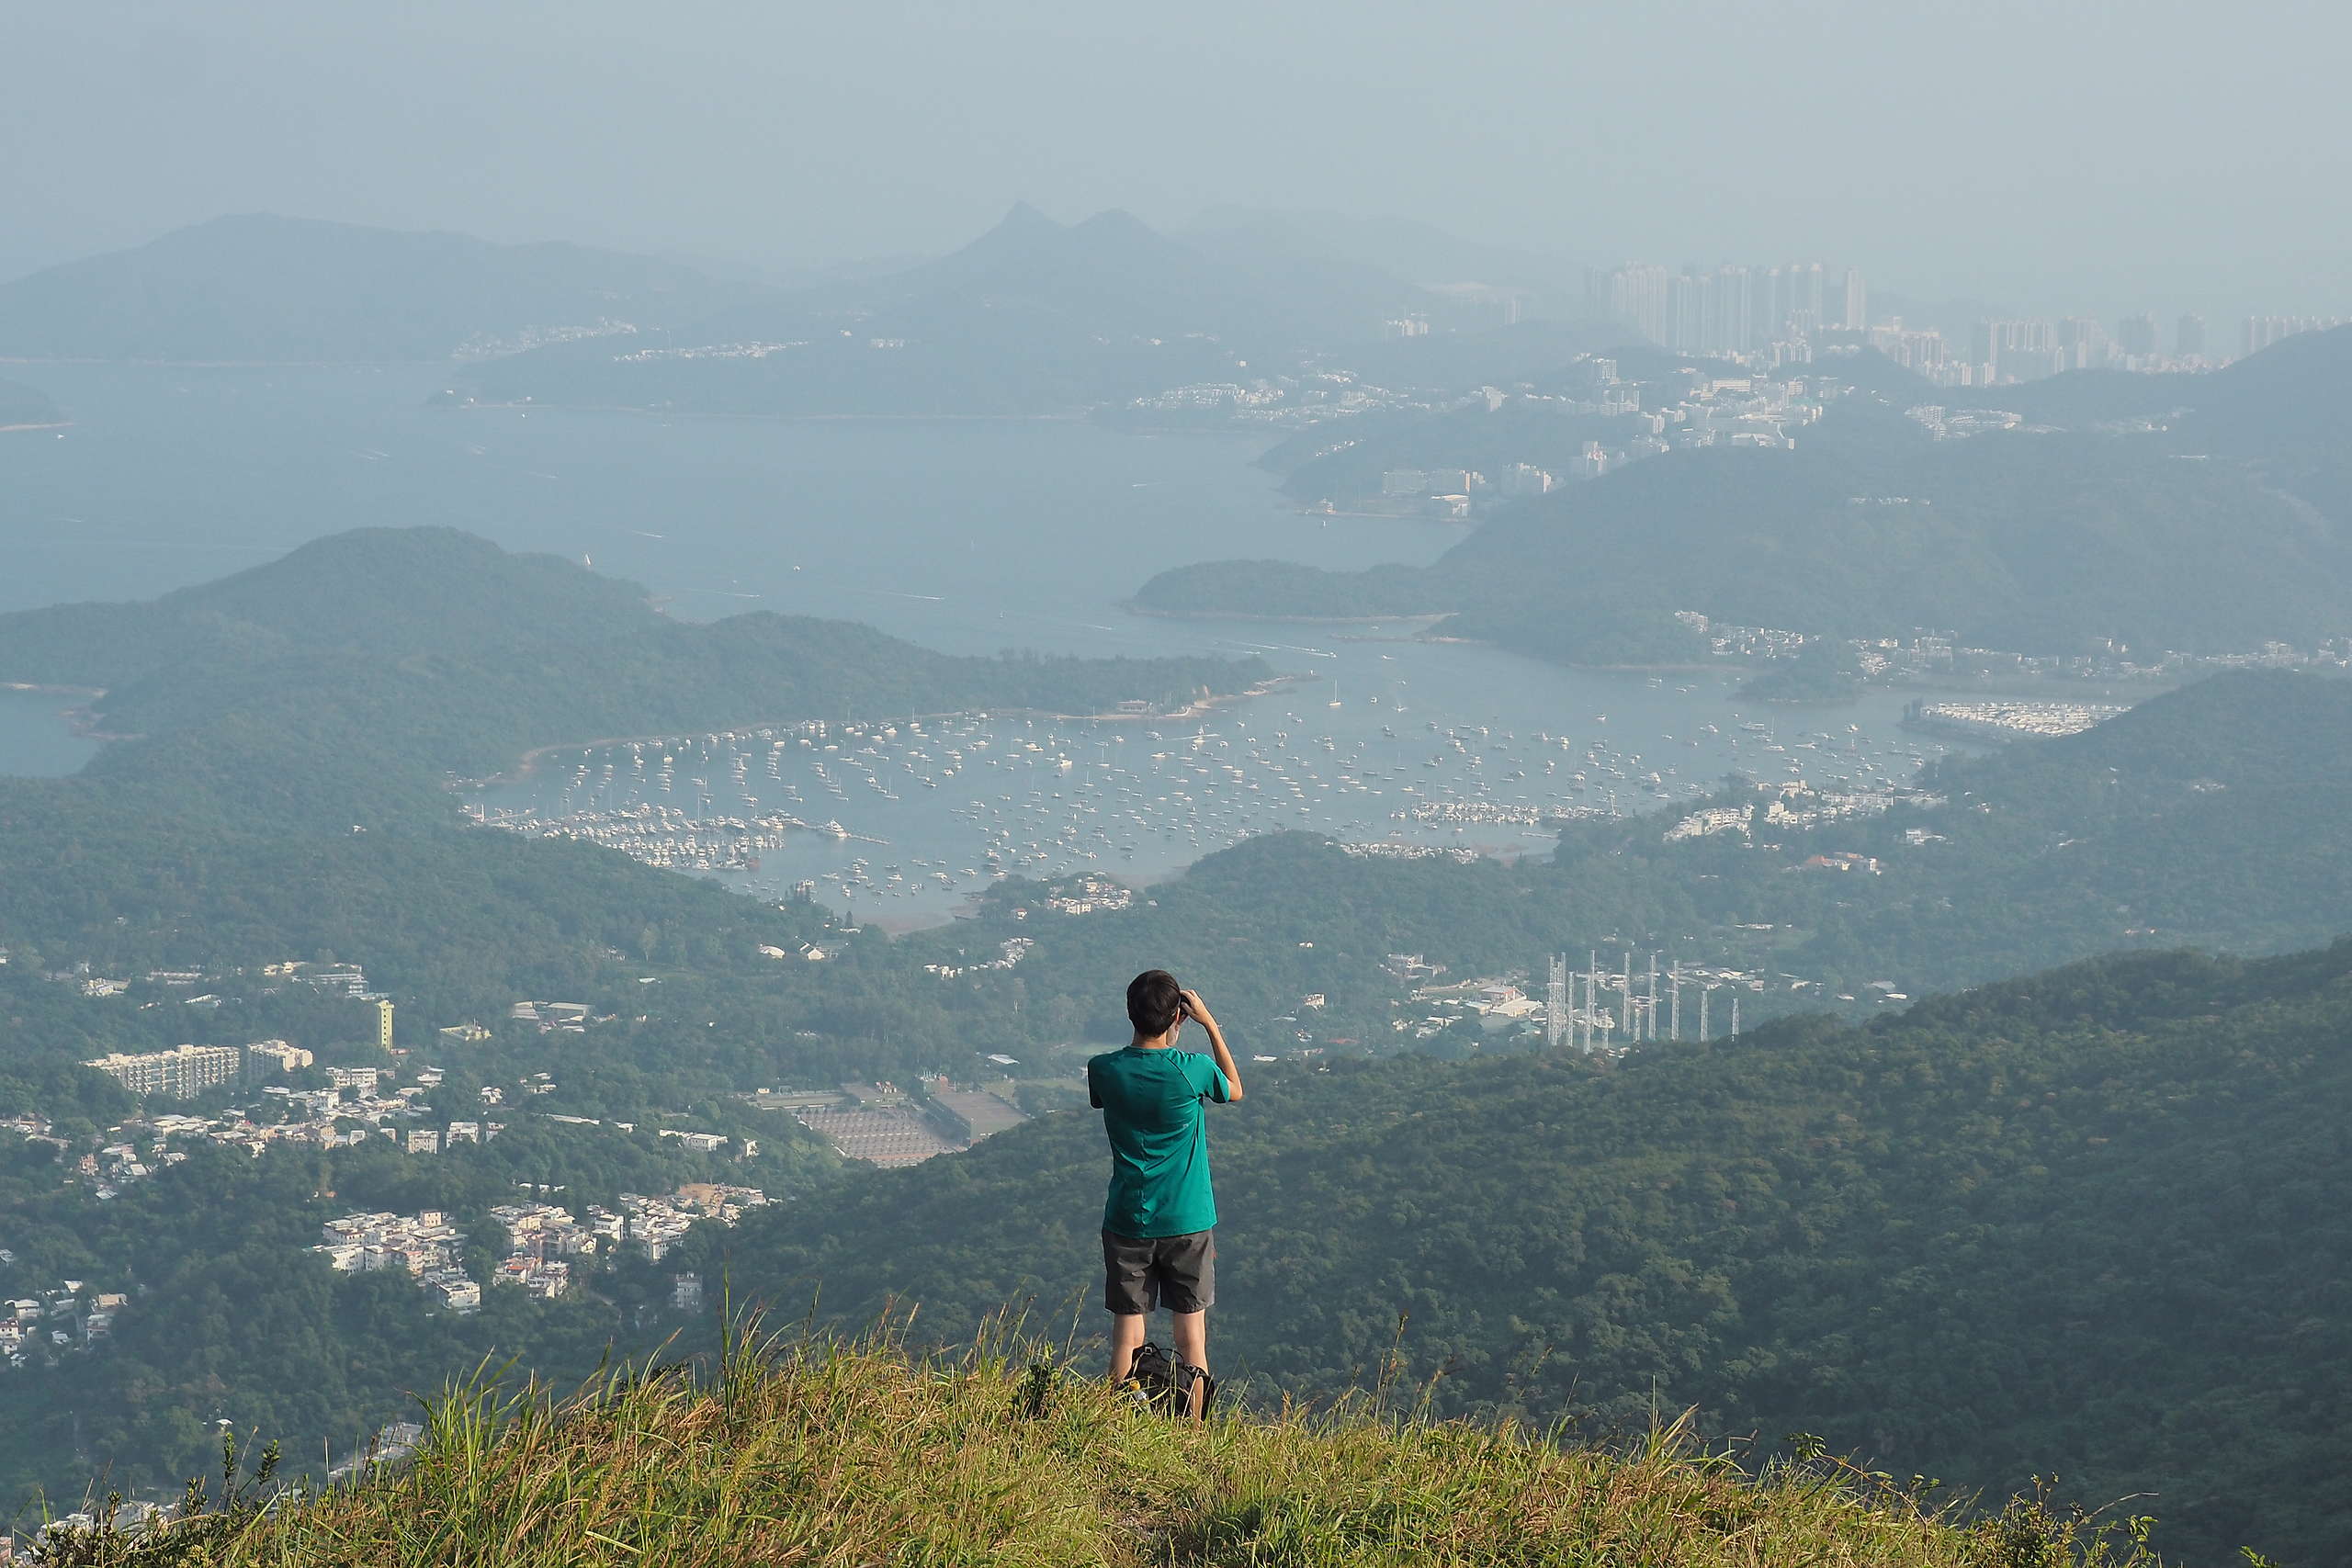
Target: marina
<point>964,539</point>
<point>907,821</point>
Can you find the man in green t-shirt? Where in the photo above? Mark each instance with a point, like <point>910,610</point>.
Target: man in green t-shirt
<point>1158,1240</point>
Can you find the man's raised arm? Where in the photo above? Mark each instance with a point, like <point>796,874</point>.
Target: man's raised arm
<point>1197,1010</point>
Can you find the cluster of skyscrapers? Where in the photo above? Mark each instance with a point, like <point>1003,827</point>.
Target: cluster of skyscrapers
<point>1779,313</point>
<point>2025,349</point>
<point>2259,332</point>
<point>1732,310</point>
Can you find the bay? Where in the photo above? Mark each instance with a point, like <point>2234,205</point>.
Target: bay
<point>37,739</point>
<point>964,535</point>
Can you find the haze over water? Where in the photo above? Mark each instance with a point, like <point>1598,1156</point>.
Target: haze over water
<point>964,535</point>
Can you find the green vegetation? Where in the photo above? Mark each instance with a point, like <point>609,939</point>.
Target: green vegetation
<point>450,654</point>
<point>287,799</point>
<point>862,1454</point>
<point>284,710</point>
<point>2036,544</point>
<point>1822,671</point>
<point>234,1320</point>
<point>1893,1235</point>
<point>2217,816</point>
<point>2091,1221</point>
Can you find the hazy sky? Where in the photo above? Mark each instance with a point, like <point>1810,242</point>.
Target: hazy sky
<point>1947,147</point>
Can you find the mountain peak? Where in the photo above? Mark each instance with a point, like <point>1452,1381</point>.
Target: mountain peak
<point>1022,219</point>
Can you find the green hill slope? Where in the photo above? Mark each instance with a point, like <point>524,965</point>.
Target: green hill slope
<point>2093,1221</point>
<point>2228,525</point>
<point>337,688</point>
<point>861,1456</point>
<point>461,656</point>
<point>2219,816</point>
<point>2035,544</point>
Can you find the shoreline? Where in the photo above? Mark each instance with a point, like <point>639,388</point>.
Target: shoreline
<point>2057,690</point>
<point>1428,618</point>
<point>1388,516</point>
<point>80,721</point>
<point>44,690</point>
<point>642,411</point>
<point>227,363</point>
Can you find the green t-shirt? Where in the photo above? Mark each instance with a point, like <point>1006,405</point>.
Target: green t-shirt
<point>1150,1102</point>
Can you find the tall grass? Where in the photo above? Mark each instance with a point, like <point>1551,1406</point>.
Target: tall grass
<point>861,1454</point>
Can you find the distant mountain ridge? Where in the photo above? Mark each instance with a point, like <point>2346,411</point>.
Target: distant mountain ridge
<point>1113,272</point>
<point>1033,317</point>
<point>262,288</point>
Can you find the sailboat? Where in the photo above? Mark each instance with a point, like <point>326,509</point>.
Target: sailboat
<point>1335,695</point>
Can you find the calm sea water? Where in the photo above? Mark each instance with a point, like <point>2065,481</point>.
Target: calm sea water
<point>970,537</point>
<point>35,737</point>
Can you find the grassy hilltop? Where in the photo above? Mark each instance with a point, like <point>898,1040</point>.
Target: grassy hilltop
<point>865,1455</point>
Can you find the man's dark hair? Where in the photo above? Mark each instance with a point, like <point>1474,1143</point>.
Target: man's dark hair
<point>1153,1001</point>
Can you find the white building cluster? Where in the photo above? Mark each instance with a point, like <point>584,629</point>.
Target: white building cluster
<point>180,1073</point>
<point>424,1245</point>
<point>69,1316</point>
<point>2011,720</point>
<point>1009,953</point>
<point>1732,310</point>
<point>1087,895</point>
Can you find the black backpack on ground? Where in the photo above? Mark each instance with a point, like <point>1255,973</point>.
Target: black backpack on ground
<point>1165,1384</point>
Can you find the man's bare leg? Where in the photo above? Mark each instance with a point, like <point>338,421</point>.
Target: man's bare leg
<point>1192,1348</point>
<point>1126,1339</point>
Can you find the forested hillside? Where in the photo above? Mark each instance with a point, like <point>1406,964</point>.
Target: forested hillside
<point>2090,1222</point>
<point>2037,544</point>
<point>2219,816</point>
<point>463,656</point>
<point>297,723</point>
<point>286,708</point>
<point>235,1318</point>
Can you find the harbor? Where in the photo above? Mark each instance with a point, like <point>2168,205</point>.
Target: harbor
<point>907,821</point>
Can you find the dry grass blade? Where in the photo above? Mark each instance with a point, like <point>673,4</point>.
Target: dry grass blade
<point>854,1454</point>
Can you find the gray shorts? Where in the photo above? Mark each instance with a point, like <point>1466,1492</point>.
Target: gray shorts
<point>1141,1274</point>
